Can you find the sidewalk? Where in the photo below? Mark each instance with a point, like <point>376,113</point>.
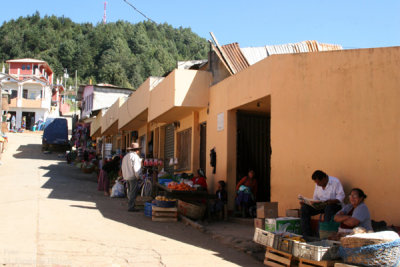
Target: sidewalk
<point>238,234</point>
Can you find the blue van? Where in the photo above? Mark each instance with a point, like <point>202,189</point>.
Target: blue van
<point>55,134</point>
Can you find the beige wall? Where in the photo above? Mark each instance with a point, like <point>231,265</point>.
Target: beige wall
<point>96,123</point>
<point>137,103</point>
<point>112,114</point>
<point>186,89</point>
<point>335,111</point>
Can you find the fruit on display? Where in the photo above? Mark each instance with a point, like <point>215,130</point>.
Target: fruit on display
<point>162,198</point>
<point>180,187</point>
<point>294,238</point>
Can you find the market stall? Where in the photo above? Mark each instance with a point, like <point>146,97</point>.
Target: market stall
<point>356,249</point>
<point>191,202</point>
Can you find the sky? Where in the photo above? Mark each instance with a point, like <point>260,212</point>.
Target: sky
<point>350,23</point>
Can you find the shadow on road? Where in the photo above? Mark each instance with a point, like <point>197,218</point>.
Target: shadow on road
<point>68,182</point>
<point>34,151</point>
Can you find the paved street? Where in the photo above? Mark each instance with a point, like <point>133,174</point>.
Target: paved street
<point>53,215</point>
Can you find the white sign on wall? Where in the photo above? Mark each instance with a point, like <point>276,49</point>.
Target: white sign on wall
<point>220,122</point>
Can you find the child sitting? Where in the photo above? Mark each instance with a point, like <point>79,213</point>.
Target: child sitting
<point>217,207</point>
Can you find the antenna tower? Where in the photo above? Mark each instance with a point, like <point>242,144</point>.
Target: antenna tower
<point>105,13</point>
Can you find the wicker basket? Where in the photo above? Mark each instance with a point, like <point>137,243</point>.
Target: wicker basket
<point>385,254</point>
<point>356,242</point>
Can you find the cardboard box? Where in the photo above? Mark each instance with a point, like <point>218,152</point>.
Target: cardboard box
<point>283,224</point>
<point>293,213</point>
<point>267,210</point>
<point>259,223</point>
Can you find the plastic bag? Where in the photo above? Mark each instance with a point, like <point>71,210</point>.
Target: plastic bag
<point>118,190</point>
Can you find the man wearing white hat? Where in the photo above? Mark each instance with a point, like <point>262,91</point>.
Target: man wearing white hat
<point>131,171</point>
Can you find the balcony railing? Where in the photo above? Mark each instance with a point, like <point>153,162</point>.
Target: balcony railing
<point>26,103</point>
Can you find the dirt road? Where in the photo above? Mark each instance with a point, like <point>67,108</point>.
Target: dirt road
<point>52,215</point>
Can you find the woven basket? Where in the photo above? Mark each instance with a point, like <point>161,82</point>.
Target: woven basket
<point>385,254</point>
<point>355,242</point>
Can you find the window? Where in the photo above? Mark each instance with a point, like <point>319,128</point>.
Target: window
<point>184,149</point>
<point>25,93</point>
<point>14,94</point>
<point>28,67</point>
<point>23,67</point>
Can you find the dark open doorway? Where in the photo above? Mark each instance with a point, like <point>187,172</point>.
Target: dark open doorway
<point>29,119</point>
<point>254,150</point>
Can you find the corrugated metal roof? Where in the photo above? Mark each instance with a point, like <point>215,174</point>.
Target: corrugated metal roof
<point>255,54</point>
<point>235,58</point>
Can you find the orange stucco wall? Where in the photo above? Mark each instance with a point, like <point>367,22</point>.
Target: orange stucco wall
<point>112,114</point>
<point>335,111</point>
<point>137,103</point>
<point>96,124</point>
<point>181,88</point>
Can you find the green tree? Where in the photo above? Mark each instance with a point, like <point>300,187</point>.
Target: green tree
<point>120,53</point>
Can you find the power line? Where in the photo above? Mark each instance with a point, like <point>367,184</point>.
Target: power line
<point>141,13</point>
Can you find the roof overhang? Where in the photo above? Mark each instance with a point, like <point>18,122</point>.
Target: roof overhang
<point>179,94</point>
<point>97,133</point>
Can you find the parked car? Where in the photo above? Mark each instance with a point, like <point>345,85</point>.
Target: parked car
<point>55,134</point>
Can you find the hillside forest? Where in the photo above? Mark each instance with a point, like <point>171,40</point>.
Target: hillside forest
<point>120,53</point>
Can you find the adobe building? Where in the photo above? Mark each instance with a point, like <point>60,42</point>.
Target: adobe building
<point>283,115</point>
<point>288,115</point>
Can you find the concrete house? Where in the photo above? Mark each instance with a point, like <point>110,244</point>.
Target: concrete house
<point>295,113</point>
<point>100,96</point>
<point>30,82</point>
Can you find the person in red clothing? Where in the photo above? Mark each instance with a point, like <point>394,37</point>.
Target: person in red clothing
<point>200,180</point>
<point>246,193</point>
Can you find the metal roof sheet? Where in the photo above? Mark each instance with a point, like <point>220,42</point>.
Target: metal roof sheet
<point>235,58</point>
<point>255,54</point>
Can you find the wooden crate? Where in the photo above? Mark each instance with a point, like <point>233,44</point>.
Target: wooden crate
<point>164,214</point>
<point>311,263</point>
<point>276,258</point>
<point>140,201</point>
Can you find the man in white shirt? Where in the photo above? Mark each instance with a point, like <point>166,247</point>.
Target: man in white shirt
<point>131,171</point>
<point>329,190</point>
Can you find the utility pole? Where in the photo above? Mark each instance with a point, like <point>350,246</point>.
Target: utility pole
<point>76,91</point>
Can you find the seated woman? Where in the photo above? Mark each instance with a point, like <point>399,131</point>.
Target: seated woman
<point>246,193</point>
<point>355,214</point>
<point>200,180</point>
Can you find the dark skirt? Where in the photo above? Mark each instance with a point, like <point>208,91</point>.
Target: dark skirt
<point>103,182</point>
<point>244,198</point>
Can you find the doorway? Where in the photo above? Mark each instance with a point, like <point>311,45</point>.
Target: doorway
<point>254,150</point>
<point>203,146</point>
<point>29,119</point>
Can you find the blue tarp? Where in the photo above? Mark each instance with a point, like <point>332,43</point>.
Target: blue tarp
<point>55,131</point>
